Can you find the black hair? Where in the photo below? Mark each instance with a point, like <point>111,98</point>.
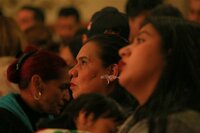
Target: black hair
<point>166,10</point>
<point>109,19</point>
<point>38,12</point>
<point>178,88</point>
<point>136,7</point>
<point>69,11</point>
<point>109,45</point>
<point>99,105</point>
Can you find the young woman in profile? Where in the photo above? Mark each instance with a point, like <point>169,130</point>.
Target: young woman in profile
<point>161,69</point>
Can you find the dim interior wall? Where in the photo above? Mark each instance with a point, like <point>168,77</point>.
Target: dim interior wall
<point>86,7</point>
<point>51,7</point>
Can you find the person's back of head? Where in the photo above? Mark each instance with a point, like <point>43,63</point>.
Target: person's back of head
<point>11,38</point>
<point>137,7</point>
<point>109,19</point>
<point>166,10</point>
<point>92,107</point>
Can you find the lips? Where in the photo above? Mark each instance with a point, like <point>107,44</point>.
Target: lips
<point>121,64</point>
<point>72,85</point>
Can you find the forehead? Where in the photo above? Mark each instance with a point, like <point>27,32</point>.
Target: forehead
<point>68,19</point>
<point>25,12</point>
<point>149,30</point>
<point>90,49</point>
<point>194,4</point>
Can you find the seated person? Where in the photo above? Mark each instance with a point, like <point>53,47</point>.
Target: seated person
<point>92,112</point>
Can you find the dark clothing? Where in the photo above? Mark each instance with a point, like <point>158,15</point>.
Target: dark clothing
<point>182,122</point>
<point>124,99</point>
<point>11,120</point>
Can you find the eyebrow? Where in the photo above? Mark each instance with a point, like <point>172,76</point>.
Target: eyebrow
<point>144,32</point>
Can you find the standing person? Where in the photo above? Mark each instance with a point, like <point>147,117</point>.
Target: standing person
<point>43,81</point>
<point>11,43</point>
<point>96,70</point>
<point>161,70</point>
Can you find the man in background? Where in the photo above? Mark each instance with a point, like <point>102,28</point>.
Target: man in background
<point>27,16</point>
<point>194,10</point>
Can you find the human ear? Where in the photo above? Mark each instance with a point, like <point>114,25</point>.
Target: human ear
<point>36,81</point>
<point>113,70</point>
<point>112,74</point>
<point>37,88</point>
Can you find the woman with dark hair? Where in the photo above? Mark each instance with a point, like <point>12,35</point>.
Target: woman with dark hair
<point>43,81</point>
<point>97,70</point>
<point>161,70</point>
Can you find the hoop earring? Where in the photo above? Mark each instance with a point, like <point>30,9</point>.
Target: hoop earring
<point>37,97</point>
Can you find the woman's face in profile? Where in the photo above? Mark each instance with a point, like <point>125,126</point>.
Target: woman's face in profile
<point>86,74</point>
<point>142,62</point>
<point>55,94</point>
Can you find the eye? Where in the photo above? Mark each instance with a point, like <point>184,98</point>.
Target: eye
<point>139,40</point>
<point>83,61</point>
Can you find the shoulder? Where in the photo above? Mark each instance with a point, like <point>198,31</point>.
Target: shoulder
<point>185,122</point>
<point>130,126</point>
<point>10,123</point>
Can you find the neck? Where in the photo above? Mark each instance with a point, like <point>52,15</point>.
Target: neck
<point>28,99</point>
<point>143,90</point>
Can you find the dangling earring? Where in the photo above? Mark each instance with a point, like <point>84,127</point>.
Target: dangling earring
<point>37,97</point>
<point>109,78</point>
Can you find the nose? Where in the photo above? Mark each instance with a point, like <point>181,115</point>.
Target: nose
<point>73,72</point>
<point>125,51</point>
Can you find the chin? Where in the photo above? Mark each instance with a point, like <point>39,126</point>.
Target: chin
<point>122,80</point>
<point>75,95</point>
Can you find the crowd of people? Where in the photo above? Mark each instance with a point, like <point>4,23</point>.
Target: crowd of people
<point>133,72</point>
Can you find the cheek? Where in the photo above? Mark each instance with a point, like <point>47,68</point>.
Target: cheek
<point>139,66</point>
<point>52,98</point>
<point>86,76</point>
